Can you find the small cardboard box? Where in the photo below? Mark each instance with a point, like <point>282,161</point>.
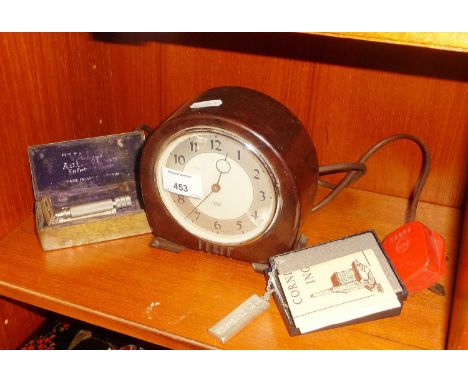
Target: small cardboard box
<point>87,174</point>
<point>304,263</point>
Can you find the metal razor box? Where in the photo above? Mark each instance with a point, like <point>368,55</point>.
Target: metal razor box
<point>87,190</point>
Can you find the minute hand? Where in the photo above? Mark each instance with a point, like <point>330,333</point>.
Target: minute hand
<point>198,205</point>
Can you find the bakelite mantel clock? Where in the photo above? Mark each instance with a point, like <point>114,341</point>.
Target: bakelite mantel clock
<point>231,172</point>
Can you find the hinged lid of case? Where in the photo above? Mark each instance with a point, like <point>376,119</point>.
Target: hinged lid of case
<point>86,169</point>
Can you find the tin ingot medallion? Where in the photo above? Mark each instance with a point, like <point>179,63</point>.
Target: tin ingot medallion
<point>240,317</point>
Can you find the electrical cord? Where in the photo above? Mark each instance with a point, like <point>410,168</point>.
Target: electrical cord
<point>357,169</point>
<point>341,167</point>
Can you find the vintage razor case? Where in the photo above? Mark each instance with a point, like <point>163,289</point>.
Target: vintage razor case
<point>310,257</point>
<point>87,190</point>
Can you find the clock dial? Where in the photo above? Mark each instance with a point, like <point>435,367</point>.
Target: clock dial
<point>238,193</point>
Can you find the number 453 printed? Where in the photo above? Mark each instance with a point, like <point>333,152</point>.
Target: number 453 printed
<point>182,183</point>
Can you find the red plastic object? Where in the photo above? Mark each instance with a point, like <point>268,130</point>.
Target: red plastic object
<point>418,254</point>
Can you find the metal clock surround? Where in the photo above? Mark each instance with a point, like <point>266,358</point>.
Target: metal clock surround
<point>272,138</point>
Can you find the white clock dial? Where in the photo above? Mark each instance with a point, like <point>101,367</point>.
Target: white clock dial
<point>238,196</point>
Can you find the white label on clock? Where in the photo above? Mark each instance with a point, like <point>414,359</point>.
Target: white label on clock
<point>211,103</point>
<point>182,183</point>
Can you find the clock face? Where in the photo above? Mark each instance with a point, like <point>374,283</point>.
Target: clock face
<point>216,186</point>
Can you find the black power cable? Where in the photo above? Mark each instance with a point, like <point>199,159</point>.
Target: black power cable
<point>357,169</point>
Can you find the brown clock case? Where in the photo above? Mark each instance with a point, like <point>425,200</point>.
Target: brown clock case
<point>275,133</point>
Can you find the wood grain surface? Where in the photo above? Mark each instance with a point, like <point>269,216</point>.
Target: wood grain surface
<point>172,299</point>
<point>458,333</point>
<point>457,41</point>
<point>349,94</point>
<point>17,322</point>
<point>53,89</point>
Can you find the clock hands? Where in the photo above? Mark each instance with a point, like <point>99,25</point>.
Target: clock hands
<point>198,205</point>
<point>223,167</point>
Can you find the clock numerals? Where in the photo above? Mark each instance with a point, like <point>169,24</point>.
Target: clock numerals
<point>254,214</point>
<point>217,226</point>
<point>196,214</point>
<point>238,155</point>
<point>180,199</point>
<point>179,159</point>
<point>257,173</point>
<point>194,147</point>
<point>262,196</point>
<point>215,144</point>
<point>239,225</point>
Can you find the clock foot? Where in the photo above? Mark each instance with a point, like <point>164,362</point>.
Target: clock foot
<point>159,242</point>
<point>259,267</point>
<point>301,242</point>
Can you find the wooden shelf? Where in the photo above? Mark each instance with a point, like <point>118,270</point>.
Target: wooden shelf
<point>455,41</point>
<point>172,299</point>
